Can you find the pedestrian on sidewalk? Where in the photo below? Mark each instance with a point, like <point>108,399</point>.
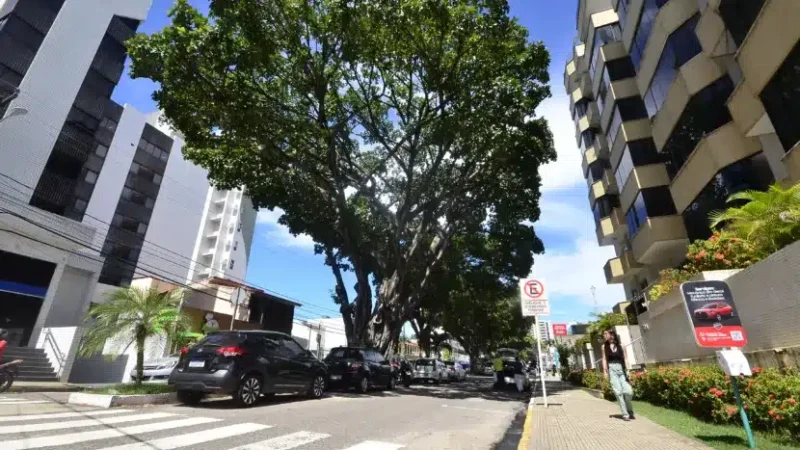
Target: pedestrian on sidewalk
<point>617,374</point>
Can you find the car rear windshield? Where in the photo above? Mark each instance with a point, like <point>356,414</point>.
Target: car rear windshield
<point>222,339</point>
<point>449,363</point>
<point>344,353</point>
<point>424,362</point>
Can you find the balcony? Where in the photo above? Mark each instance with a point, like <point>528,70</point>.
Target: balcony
<point>629,131</point>
<point>607,185</point>
<point>661,242</point>
<point>612,228</point>
<point>621,268</point>
<point>590,120</point>
<point>642,177</point>
<point>713,35</point>
<point>597,151</point>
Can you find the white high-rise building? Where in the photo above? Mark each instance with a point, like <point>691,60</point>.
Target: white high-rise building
<point>545,330</point>
<point>93,194</point>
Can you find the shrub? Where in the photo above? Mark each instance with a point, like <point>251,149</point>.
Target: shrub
<point>592,379</point>
<point>770,397</point>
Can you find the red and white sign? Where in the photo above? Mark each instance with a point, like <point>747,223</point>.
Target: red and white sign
<point>532,298</point>
<point>713,315</point>
<point>559,329</point>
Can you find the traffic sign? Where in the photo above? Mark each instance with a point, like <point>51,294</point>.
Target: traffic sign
<point>716,323</point>
<point>533,298</point>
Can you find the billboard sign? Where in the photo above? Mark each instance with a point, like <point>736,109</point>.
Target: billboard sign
<point>559,329</point>
<point>713,315</point>
<point>533,298</point>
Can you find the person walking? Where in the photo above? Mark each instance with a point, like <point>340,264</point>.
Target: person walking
<point>617,374</point>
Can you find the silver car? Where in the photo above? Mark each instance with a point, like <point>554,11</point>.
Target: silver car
<point>157,370</point>
<point>429,369</point>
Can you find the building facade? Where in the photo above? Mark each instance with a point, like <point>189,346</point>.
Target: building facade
<point>679,104</point>
<point>93,194</point>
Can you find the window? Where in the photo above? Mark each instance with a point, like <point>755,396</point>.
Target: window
<point>603,207</point>
<point>603,36</point>
<point>681,46</point>
<point>235,245</point>
<point>651,202</point>
<point>587,140</point>
<point>581,107</point>
<point>142,229</point>
<point>597,170</point>
<point>135,167</point>
<point>613,127</point>
<point>108,125</point>
<point>781,98</point>
<point>602,91</point>
<point>91,177</point>
<point>622,12</point>
<point>739,16</point>
<point>80,205</point>
<point>149,203</point>
<point>636,153</point>
<point>646,21</point>
<point>101,150</point>
<point>626,109</point>
<point>231,265</point>
<point>752,173</point>
<point>157,179</point>
<point>705,112</point>
<point>290,347</point>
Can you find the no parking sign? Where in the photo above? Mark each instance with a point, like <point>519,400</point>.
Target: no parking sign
<point>533,297</point>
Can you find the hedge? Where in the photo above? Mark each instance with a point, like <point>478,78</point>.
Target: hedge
<point>770,396</point>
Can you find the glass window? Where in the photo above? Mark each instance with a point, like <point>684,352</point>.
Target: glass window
<point>235,245</point>
<point>581,106</point>
<point>739,16</point>
<point>781,98</point>
<point>681,46</point>
<point>101,150</point>
<point>142,229</point>
<point>80,205</point>
<point>602,91</point>
<point>603,207</point>
<point>752,173</point>
<point>597,170</point>
<point>624,168</point>
<point>135,167</point>
<point>705,112</point>
<point>157,179</point>
<point>164,156</point>
<point>149,203</point>
<point>651,202</point>
<point>613,127</point>
<point>622,12</point>
<point>646,21</point>
<point>586,140</point>
<point>603,36</point>
<point>619,69</point>
<point>291,347</point>
<point>636,153</point>
<point>231,265</point>
<point>91,177</point>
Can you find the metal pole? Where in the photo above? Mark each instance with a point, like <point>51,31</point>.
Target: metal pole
<point>750,439</point>
<point>541,363</point>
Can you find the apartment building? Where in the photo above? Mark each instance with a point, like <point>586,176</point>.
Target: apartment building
<point>678,104</point>
<point>93,194</point>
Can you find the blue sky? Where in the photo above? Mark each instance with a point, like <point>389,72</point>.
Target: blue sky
<point>573,262</point>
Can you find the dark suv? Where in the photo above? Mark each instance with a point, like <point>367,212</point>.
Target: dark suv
<point>247,364</point>
<point>360,368</point>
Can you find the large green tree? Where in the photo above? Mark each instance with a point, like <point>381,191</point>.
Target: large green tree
<point>381,128</point>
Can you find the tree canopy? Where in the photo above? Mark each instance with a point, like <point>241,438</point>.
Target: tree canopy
<point>382,129</point>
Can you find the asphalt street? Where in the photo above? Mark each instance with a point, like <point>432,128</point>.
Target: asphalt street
<point>466,415</point>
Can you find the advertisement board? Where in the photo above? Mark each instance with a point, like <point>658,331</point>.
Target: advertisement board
<point>559,329</point>
<point>713,315</point>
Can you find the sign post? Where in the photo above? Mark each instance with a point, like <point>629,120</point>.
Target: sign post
<point>716,324</point>
<point>534,303</point>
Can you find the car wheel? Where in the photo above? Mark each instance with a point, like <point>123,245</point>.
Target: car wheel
<point>249,391</point>
<point>317,387</point>
<point>363,385</point>
<point>190,397</point>
<point>438,380</point>
<point>391,384</point>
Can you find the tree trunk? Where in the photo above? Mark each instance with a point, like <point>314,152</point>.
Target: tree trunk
<point>474,358</point>
<point>140,341</point>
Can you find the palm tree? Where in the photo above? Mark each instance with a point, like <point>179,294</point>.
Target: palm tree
<point>132,315</point>
<point>769,220</point>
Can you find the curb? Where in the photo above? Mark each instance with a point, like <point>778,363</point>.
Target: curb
<point>528,424</point>
<point>109,401</point>
<point>29,389</point>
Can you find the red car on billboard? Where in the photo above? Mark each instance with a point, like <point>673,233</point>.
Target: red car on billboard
<point>714,311</point>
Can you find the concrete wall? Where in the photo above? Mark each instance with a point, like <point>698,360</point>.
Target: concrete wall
<point>766,296</point>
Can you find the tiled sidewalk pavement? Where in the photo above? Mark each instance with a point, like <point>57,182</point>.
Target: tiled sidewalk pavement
<point>575,420</point>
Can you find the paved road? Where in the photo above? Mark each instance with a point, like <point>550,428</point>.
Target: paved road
<point>467,415</point>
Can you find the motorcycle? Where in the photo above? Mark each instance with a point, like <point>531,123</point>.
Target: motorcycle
<point>405,374</point>
<point>8,372</point>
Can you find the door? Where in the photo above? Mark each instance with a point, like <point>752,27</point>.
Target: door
<point>279,363</point>
<point>298,362</point>
<point>381,371</point>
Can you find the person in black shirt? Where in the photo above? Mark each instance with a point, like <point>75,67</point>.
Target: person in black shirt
<point>617,374</point>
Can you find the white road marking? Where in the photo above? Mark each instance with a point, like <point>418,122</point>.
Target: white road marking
<point>30,428</point>
<point>24,402</point>
<point>285,442</point>
<point>374,445</point>
<point>64,415</point>
<point>185,440</point>
<point>87,436</point>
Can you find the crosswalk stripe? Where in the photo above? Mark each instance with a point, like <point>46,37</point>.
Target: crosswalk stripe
<point>285,442</point>
<point>24,402</point>
<point>65,415</point>
<point>30,428</point>
<point>185,440</point>
<point>374,445</point>
<point>87,436</point>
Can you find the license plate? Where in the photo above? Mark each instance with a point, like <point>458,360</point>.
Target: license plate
<point>197,363</point>
<point>336,377</point>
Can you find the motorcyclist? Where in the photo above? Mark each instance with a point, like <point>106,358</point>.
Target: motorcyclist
<point>3,343</point>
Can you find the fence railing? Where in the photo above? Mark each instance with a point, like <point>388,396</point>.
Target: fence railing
<point>55,350</point>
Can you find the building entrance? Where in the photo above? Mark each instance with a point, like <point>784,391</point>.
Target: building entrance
<point>23,287</point>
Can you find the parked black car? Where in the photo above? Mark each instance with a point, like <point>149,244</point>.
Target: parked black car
<point>246,365</point>
<point>360,368</point>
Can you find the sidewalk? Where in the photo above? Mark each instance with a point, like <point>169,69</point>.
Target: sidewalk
<point>576,420</point>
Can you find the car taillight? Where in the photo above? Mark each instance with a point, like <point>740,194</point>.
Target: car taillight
<point>230,351</point>
<point>355,366</point>
<point>184,350</point>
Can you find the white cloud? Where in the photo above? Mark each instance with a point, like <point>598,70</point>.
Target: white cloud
<point>279,234</point>
<point>565,172</point>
